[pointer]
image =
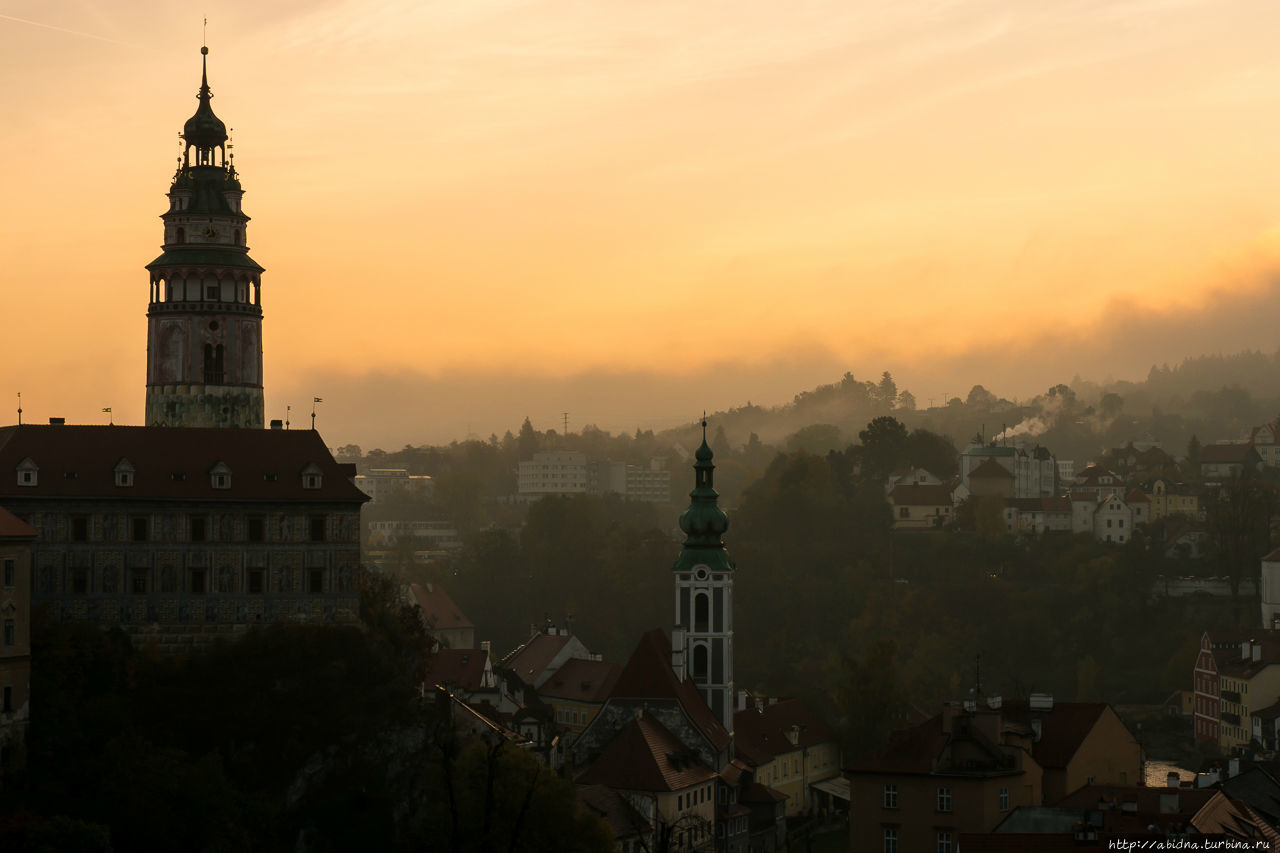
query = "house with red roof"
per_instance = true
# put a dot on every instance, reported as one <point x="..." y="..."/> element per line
<point x="167" y="532"/>
<point x="921" y="506"/>
<point x="990" y="479"/>
<point x="790" y="748"/>
<point x="577" y="691"/>
<point x="443" y="619"/>
<point x="535" y="660"/>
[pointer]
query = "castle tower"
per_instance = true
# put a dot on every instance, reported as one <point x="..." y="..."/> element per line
<point x="704" y="592"/>
<point x="204" y="321"/>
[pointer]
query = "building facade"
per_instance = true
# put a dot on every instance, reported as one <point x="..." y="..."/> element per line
<point x="15" y="644"/>
<point x="204" y="320"/>
<point x="181" y="534"/>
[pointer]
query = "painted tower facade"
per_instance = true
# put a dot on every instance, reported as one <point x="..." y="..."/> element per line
<point x="204" y="321"/>
<point x="704" y="592"/>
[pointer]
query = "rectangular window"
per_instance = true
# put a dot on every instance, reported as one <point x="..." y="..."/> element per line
<point x="8" y="700"/>
<point x="80" y="581"/>
<point x="80" y="529"/>
<point x="317" y="528"/>
<point x="255" y="526"/>
<point x="944" y="841"/>
<point x="140" y="529"/>
<point x="139" y="582"/>
<point x="890" y="839"/>
<point x="10" y="569"/>
<point x="198" y="529"/>
<point x="944" y="799"/>
<point x="10" y="633"/>
<point x="890" y="796"/>
<point x="315" y="581"/>
<point x="1004" y="799"/>
<point x="255" y="580"/>
<point x="197" y="581"/>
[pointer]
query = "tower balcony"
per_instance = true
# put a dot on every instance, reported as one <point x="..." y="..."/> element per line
<point x="204" y="307"/>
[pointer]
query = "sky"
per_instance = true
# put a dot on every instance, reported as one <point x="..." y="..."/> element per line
<point x="475" y="211"/>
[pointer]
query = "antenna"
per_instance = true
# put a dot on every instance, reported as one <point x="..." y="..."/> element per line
<point x="287" y="409"/>
<point x="314" y="400"/>
<point x="107" y="412"/>
<point x="19" y="408"/>
<point x="204" y="33"/>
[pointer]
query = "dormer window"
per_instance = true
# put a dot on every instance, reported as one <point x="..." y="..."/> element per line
<point x="311" y="476"/>
<point x="220" y="476"/>
<point x="124" y="473"/>
<point x="28" y="472"/>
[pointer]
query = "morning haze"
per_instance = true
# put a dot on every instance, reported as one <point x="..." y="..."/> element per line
<point x="665" y="426"/>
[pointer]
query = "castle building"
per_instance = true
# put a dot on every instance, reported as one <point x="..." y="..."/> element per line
<point x="704" y="592"/>
<point x="204" y="320"/>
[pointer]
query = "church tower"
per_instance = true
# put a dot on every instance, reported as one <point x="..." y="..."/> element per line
<point x="204" y="321"/>
<point x="704" y="592"/>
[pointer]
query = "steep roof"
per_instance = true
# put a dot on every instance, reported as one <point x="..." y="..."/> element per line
<point x="648" y="675"/>
<point x="456" y="667"/>
<point x="12" y="527"/>
<point x="582" y="681"/>
<point x="1062" y="729"/>
<point x="991" y="468"/>
<point x="921" y="494"/>
<point x="644" y="756"/>
<point x="438" y="609"/>
<point x="172" y="463"/>
<point x="760" y="735"/>
<point x="528" y="661"/>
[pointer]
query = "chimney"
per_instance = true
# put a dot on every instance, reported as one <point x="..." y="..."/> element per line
<point x="1245" y="652"/>
<point x="1172" y="781"/>
<point x="742" y="700"/>
<point x="994" y="702"/>
<point x="677" y="652"/>
<point x="1233" y="768"/>
<point x="1257" y="652"/>
<point x="57" y="421"/>
<point x="276" y="423"/>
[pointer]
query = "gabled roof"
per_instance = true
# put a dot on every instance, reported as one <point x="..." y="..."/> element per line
<point x="644" y="756"/>
<point x="920" y="494"/>
<point x="172" y="463"/>
<point x="760" y="735"/>
<point x="648" y="675"/>
<point x="12" y="527"/>
<point x="1136" y="496"/>
<point x="456" y="667"/>
<point x="991" y="468"/>
<point x="529" y="661"/>
<point x="582" y="681"/>
<point x="1094" y="473"/>
<point x="1062" y="729"/>
<point x="438" y="609"/>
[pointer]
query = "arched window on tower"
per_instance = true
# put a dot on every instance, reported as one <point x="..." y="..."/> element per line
<point x="700" y="661"/>
<point x="238" y="241"/>
<point x="182" y="234"/>
<point x="701" y="613"/>
<point x="212" y="364"/>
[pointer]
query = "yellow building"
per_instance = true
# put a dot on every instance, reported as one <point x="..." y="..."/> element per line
<point x="1172" y="499"/>
<point x="790" y="748"/>
<point x="1247" y="683"/>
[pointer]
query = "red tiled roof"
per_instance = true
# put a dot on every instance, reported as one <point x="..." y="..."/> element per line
<point x="582" y="681"/>
<point x="456" y="667"/>
<point x="1062" y="730"/>
<point x="991" y="468"/>
<point x="760" y="735"/>
<point x="80" y="461"/>
<point x="12" y="527"/>
<point x="1136" y="496"/>
<point x="533" y="657"/>
<point x="1225" y="454"/>
<point x="1094" y="472"/>
<point x="622" y="818"/>
<point x="438" y="608"/>
<point x="916" y="494"/>
<point x="644" y="756"/>
<point x="1148" y="800"/>
<point x="648" y="675"/>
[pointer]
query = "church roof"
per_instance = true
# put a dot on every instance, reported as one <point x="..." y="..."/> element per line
<point x="206" y="256"/>
<point x="648" y="675"/>
<point x="644" y="756"/>
<point x="172" y="463"/>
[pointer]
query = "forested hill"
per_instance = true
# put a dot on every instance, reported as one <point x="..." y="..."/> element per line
<point x="1211" y="397"/>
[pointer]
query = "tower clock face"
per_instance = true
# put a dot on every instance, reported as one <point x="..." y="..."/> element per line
<point x="210" y="232"/>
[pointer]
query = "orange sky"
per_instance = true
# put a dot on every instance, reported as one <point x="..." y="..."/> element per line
<point x="491" y="208"/>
